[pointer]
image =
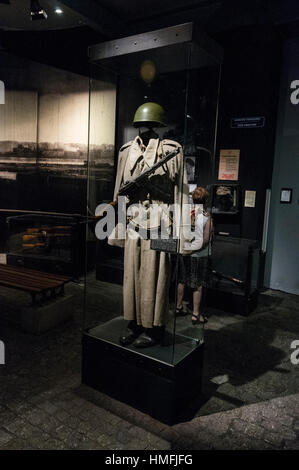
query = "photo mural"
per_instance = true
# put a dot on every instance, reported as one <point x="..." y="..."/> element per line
<point x="44" y="137"/>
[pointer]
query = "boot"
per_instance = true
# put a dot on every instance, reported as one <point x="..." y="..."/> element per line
<point x="130" y="334"/>
<point x="150" y="337"/>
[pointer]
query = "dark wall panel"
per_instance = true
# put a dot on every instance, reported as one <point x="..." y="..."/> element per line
<point x="249" y="87"/>
<point x="283" y="240"/>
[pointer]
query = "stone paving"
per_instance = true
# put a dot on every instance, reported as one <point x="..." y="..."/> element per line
<point x="44" y="406"/>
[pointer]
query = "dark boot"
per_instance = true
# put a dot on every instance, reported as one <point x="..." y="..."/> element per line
<point x="130" y="333"/>
<point x="150" y="337"/>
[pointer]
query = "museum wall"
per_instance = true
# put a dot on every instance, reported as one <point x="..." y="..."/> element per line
<point x="249" y="88"/>
<point x="283" y="238"/>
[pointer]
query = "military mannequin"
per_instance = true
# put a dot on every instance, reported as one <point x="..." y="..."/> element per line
<point x="147" y="272"/>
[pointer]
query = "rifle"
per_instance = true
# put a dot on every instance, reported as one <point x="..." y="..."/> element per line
<point x="235" y="280"/>
<point x="130" y="188"/>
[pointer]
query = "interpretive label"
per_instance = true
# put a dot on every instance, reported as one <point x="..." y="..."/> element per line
<point x="249" y="198"/>
<point x="248" y="122"/>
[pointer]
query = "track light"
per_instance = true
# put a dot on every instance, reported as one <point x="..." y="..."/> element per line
<point x="37" y="11"/>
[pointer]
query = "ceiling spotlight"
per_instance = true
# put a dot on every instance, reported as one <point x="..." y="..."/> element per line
<point x="37" y="11"/>
<point x="58" y="10"/>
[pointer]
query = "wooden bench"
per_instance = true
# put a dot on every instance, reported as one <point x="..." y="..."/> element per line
<point x="40" y="285"/>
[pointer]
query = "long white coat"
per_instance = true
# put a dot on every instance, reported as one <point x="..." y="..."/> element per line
<point x="147" y="272"/>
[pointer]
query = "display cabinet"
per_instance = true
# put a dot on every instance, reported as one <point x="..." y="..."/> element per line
<point x="51" y="243"/>
<point x="153" y="104"/>
<point x="226" y="199"/>
<point x="235" y="282"/>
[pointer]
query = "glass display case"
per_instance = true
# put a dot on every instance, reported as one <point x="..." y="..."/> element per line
<point x="152" y="127"/>
<point x="236" y="274"/>
<point x="51" y="243"/>
<point x="226" y="199"/>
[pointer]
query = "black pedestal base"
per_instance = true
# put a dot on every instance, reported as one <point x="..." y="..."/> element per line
<point x="143" y="379"/>
<point x="233" y="302"/>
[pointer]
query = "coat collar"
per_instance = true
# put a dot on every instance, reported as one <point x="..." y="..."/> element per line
<point x="139" y="151"/>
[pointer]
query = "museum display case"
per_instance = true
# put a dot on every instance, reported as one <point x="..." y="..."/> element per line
<point x="226" y="199"/>
<point x="50" y="243"/>
<point x="152" y="128"/>
<point x="236" y="279"/>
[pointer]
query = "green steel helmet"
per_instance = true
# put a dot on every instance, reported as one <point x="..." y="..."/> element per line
<point x="150" y="115"/>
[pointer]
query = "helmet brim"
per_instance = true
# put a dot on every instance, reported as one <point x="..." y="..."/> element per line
<point x="149" y="124"/>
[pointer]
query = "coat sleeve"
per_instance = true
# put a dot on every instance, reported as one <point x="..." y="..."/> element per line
<point x="119" y="175"/>
<point x="118" y="234"/>
<point x="121" y="162"/>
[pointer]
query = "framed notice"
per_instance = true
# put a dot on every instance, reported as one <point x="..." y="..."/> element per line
<point x="229" y="165"/>
<point x="286" y="195"/>
<point x="249" y="198"/>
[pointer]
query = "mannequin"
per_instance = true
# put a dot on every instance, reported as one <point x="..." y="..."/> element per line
<point x="147" y="272"/>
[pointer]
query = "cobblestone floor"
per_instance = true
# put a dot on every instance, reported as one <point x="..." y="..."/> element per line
<point x="44" y="406"/>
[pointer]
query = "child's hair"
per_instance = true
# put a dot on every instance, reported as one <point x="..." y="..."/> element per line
<point x="199" y="195"/>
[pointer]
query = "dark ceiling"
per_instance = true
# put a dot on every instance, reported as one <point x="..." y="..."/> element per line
<point x="110" y="17"/>
<point x="62" y="40"/>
